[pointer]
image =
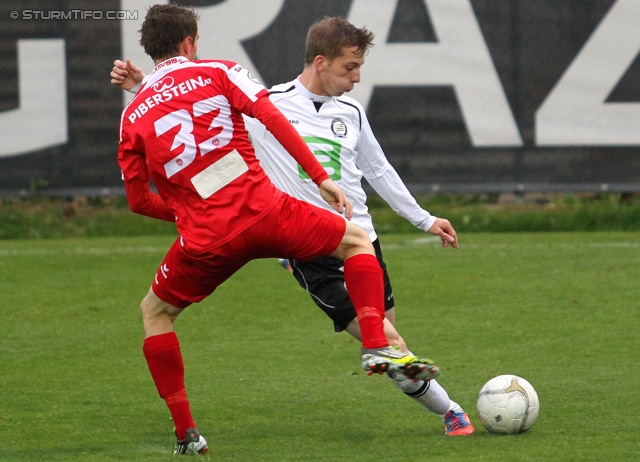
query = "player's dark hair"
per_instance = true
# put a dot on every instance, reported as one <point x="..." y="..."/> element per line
<point x="165" y="27"/>
<point x="330" y="35"/>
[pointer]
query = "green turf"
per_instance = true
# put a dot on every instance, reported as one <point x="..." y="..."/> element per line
<point x="270" y="381"/>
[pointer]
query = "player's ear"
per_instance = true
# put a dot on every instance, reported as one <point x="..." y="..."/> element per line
<point x="320" y="63"/>
<point x="189" y="47"/>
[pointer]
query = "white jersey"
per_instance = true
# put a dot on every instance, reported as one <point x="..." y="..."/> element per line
<point x="337" y="131"/>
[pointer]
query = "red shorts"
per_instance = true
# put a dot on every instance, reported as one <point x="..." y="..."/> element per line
<point x="291" y="229"/>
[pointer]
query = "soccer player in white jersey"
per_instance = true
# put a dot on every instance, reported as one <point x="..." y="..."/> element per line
<point x="184" y="131"/>
<point x="336" y="129"/>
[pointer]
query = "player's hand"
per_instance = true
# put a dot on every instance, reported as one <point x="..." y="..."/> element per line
<point x="335" y="197"/>
<point x="442" y="227"/>
<point x="126" y="75"/>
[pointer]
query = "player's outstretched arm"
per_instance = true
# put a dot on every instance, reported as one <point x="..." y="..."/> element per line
<point x="442" y="227"/>
<point x="280" y="127"/>
<point x="335" y="197"/>
<point x="126" y="75"/>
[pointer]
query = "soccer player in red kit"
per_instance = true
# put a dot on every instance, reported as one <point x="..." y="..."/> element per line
<point x="184" y="131"/>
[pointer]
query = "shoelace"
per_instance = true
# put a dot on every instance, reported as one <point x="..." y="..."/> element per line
<point x="456" y="421"/>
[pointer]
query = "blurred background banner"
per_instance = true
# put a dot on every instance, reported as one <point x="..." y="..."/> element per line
<point x="463" y="95"/>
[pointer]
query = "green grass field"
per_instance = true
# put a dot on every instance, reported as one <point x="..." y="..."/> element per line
<point x="269" y="380"/>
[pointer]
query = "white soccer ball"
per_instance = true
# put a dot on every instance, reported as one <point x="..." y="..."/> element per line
<point x="508" y="404"/>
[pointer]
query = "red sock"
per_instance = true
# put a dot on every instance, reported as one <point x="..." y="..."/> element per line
<point x="363" y="277"/>
<point x="164" y="359"/>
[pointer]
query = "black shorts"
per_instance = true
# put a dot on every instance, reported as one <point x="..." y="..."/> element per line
<point x="323" y="278"/>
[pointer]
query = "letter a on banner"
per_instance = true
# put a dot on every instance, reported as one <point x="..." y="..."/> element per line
<point x="459" y="59"/>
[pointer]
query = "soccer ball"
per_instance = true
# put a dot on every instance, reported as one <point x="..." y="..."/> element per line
<point x="508" y="404"/>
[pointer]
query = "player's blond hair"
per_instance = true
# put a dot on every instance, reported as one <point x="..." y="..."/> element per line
<point x="329" y="36"/>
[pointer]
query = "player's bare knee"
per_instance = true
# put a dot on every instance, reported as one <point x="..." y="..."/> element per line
<point x="151" y="307"/>
<point x="361" y="236"/>
<point x="147" y="309"/>
<point x="355" y="241"/>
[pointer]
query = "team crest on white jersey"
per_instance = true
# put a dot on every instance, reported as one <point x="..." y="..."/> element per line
<point x="339" y="128"/>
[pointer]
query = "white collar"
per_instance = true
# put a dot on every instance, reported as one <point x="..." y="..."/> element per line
<point x="312" y="96"/>
<point x="170" y="62"/>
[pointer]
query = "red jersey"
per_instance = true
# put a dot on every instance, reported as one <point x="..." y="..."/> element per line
<point x="184" y="131"/>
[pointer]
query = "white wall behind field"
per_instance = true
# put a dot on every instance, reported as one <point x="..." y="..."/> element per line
<point x="466" y="94"/>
